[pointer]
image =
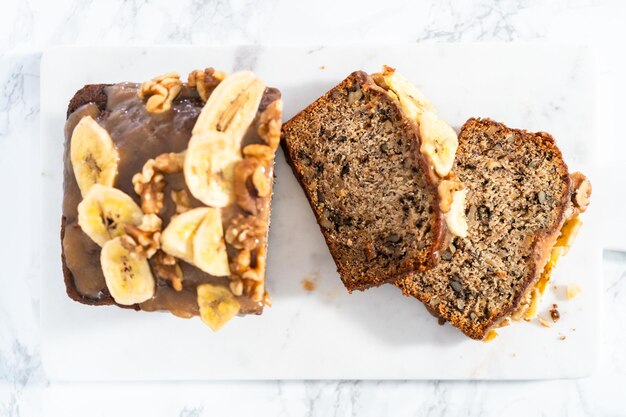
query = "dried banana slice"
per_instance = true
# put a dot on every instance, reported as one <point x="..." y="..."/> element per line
<point x="127" y="274"/>
<point x="215" y="145"/>
<point x="217" y="305"/>
<point x="93" y="155"/>
<point x="104" y="211"/>
<point x="177" y="238"/>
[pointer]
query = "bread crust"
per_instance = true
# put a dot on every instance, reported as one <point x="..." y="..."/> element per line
<point x="440" y="231"/>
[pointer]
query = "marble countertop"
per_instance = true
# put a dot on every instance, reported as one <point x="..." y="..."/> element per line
<point x="28" y="27"/>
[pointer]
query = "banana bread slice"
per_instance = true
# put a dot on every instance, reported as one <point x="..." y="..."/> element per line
<point x="520" y="199"/>
<point x="357" y="155"/>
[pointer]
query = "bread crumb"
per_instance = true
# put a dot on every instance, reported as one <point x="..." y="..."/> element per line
<point x="554" y="313"/>
<point x="544" y="322"/>
<point x="322" y="67"/>
<point x="573" y="290"/>
<point x="308" y="285"/>
<point x="490" y="336"/>
<point x="562" y="337"/>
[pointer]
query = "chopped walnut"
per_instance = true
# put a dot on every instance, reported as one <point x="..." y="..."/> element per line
<point x="262" y="152"/>
<point x="581" y="191"/>
<point x="254" y="289"/>
<point x="150" y="182"/>
<point x="245" y="232"/>
<point x="240" y="263"/>
<point x="270" y="123"/>
<point x="261" y="182"/>
<point x="160" y="92"/>
<point x="145" y="236"/>
<point x="181" y="199"/>
<point x="236" y="287"/>
<point x="257" y="273"/>
<point x="248" y="199"/>
<point x="446" y="190"/>
<point x="205" y="81"/>
<point x="168" y="269"/>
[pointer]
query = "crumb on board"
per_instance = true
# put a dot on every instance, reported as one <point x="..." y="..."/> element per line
<point x="322" y="67"/>
<point x="572" y="291"/>
<point x="490" y="336"/>
<point x="544" y="322"/>
<point x="308" y="284"/>
<point x="554" y="313"/>
<point x="562" y="337"/>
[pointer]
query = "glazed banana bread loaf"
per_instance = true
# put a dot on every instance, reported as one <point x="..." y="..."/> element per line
<point x="358" y="152"/>
<point x="522" y="212"/>
<point x="167" y="189"/>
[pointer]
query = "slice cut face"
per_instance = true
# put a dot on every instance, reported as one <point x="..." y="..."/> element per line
<point x="518" y="193"/>
<point x="357" y="156"/>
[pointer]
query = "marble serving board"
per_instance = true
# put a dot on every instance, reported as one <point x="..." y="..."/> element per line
<point x="326" y="333"/>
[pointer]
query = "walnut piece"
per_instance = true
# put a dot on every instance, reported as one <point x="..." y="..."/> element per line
<point x="168" y="269"/>
<point x="160" y="92"/>
<point x="270" y="124"/>
<point x="245" y="232"/>
<point x="446" y="190"/>
<point x="181" y="199"/>
<point x="240" y="263"/>
<point x="261" y="181"/>
<point x="150" y="182"/>
<point x="257" y="273"/>
<point x="146" y="236"/>
<point x="581" y="191"/>
<point x="205" y="81"/>
<point x="261" y="152"/>
<point x="251" y="184"/>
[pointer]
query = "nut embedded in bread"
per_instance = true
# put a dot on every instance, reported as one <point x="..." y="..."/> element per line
<point x="521" y="204"/>
<point x="149" y="227"/>
<point x="356" y="153"/>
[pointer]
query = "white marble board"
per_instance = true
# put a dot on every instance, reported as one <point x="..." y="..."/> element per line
<point x="328" y="334"/>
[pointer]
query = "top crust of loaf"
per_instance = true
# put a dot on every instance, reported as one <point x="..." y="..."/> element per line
<point x="481" y="281"/>
<point x="325" y="145"/>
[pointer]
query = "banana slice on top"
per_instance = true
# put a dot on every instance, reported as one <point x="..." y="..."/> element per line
<point x="93" y="155"/>
<point x="177" y="238"/>
<point x="412" y="100"/>
<point x="197" y="237"/>
<point x="209" y="248"/>
<point x="217" y="305"/>
<point x="215" y="144"/>
<point x="209" y="168"/>
<point x="104" y="211"/>
<point x="232" y="106"/>
<point x="439" y="142"/>
<point x="127" y="275"/>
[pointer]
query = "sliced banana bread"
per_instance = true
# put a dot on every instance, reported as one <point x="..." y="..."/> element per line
<point x="356" y="153"/>
<point x="520" y="199"/>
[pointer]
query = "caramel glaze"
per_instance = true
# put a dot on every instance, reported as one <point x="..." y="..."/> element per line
<point x="139" y="136"/>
